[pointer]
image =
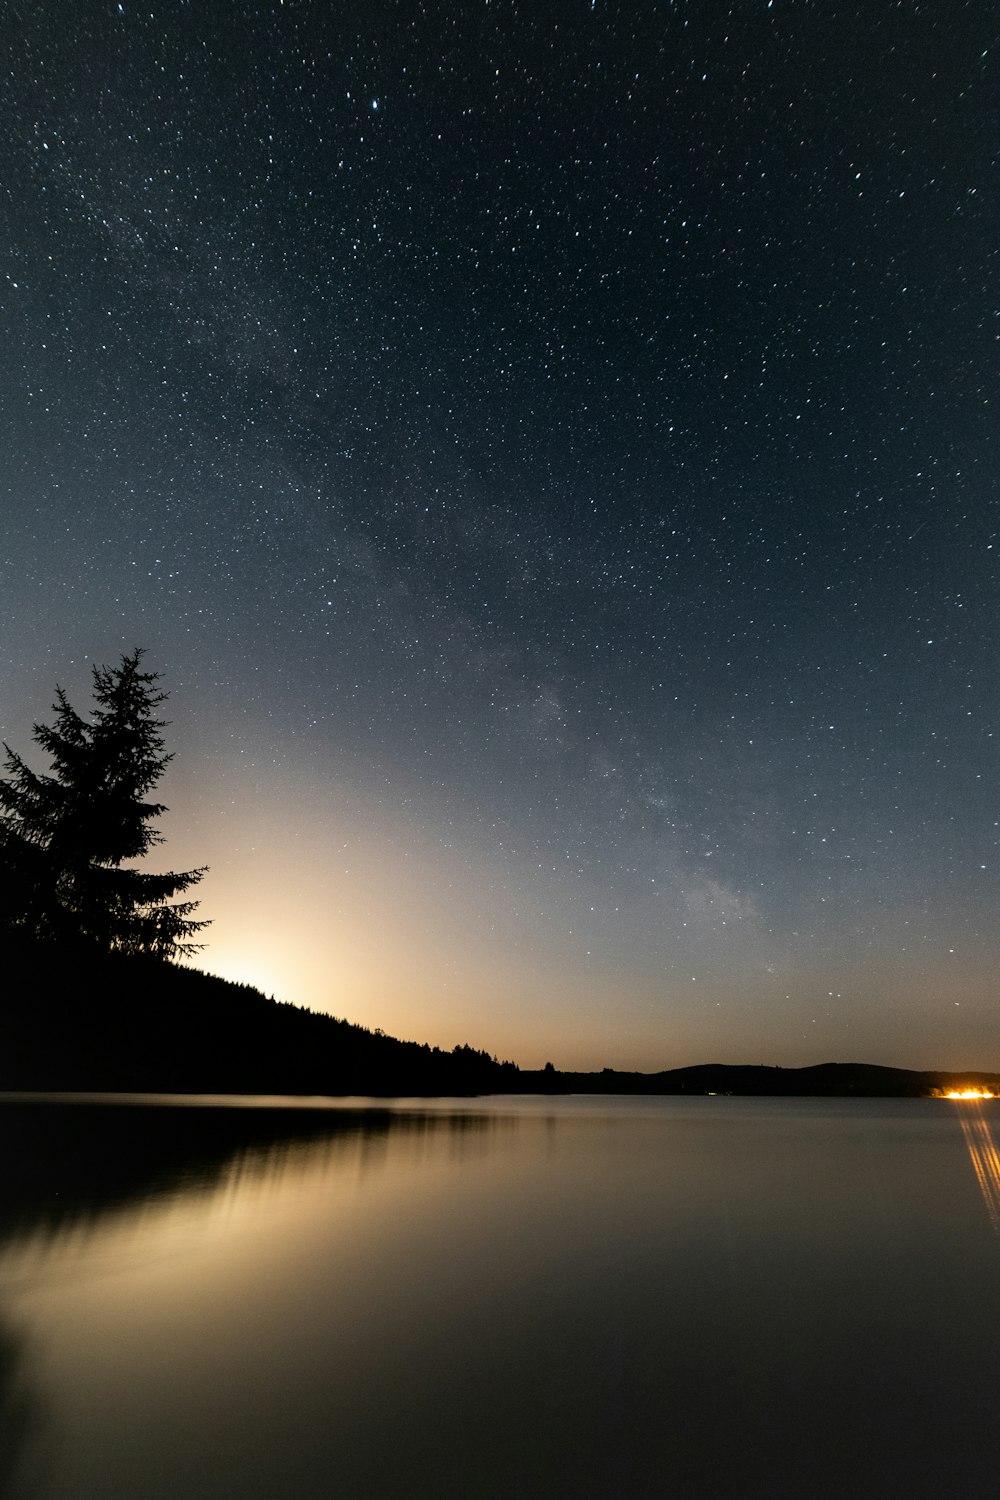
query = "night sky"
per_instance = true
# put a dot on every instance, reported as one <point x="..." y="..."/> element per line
<point x="550" y="452"/>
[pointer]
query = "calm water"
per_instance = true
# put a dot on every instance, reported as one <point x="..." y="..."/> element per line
<point x="542" y="1298"/>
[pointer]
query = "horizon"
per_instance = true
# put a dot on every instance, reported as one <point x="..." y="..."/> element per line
<point x="711" y="1062"/>
<point x="551" y="461"/>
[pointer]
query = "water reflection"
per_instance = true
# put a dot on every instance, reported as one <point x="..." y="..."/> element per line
<point x="983" y="1153"/>
<point x="20" y="1406"/>
<point x="96" y="1189"/>
<point x="604" y="1301"/>
<point x="67" y="1165"/>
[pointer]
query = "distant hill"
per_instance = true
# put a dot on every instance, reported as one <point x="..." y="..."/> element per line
<point x="824" y="1080"/>
<point x="75" y="1022"/>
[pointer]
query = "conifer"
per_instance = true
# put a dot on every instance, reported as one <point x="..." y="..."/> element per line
<point x="65" y="836"/>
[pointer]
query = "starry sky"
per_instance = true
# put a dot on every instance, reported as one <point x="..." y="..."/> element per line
<point x="549" y="451"/>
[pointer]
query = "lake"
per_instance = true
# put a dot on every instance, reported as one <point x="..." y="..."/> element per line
<point x="483" y="1299"/>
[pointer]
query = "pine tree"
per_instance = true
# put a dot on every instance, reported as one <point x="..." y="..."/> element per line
<point x="64" y="836"/>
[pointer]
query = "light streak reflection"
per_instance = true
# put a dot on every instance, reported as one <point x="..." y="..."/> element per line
<point x="983" y="1153"/>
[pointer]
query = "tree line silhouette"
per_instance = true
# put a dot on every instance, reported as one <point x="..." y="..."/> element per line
<point x="92" y="1000"/>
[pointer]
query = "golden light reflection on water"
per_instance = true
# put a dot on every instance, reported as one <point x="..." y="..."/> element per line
<point x="222" y="1208"/>
<point x="982" y="1149"/>
<point x="385" y="1307"/>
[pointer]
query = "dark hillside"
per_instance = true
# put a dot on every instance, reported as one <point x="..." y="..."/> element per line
<point x="116" y="1023"/>
<point x="94" y="1023"/>
<point x="825" y="1080"/>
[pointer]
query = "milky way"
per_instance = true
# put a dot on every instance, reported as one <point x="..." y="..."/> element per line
<point x="550" y="453"/>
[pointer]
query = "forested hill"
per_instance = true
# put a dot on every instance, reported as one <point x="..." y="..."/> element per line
<point x="824" y="1080"/>
<point x="107" y="1022"/>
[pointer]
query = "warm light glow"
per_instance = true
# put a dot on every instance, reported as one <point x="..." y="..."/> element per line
<point x="982" y="1150"/>
<point x="967" y="1094"/>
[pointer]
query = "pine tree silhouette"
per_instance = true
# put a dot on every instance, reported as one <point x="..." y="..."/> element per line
<point x="64" y="836"/>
